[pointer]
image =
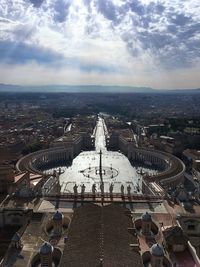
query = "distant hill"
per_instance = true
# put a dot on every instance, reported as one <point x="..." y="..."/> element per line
<point x="74" y="89"/>
<point x="186" y="91"/>
<point x="88" y="89"/>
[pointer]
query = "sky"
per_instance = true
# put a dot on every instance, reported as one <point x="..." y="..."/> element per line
<point x="153" y="43"/>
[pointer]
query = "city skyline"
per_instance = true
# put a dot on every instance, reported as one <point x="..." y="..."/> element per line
<point x="141" y="43"/>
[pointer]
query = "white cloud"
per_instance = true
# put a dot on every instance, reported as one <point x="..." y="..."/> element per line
<point x="33" y="74"/>
<point x="140" y="40"/>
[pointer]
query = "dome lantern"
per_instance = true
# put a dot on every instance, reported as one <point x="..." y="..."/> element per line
<point x="46" y="249"/>
<point x="58" y="216"/>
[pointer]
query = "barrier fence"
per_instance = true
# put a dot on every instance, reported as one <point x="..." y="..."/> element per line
<point x="107" y="196"/>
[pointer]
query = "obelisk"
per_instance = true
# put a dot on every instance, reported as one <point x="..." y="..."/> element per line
<point x="100" y="166"/>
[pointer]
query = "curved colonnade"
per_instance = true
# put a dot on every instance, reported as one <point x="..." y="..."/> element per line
<point x="41" y="160"/>
<point x="172" y="168"/>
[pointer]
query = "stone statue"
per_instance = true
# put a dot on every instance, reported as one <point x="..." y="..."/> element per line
<point x="122" y="189"/>
<point x="75" y="189"/>
<point x="82" y="189"/>
<point x="93" y="189"/>
<point x="111" y="188"/>
<point x="129" y="189"/>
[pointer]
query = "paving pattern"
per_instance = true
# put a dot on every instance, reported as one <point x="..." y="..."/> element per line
<point x="117" y="173"/>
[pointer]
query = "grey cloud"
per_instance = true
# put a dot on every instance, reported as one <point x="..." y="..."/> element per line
<point x="169" y="50"/>
<point x="179" y="19"/>
<point x="140" y="9"/>
<point x="107" y="8"/>
<point x="37" y="3"/>
<point x="4" y="20"/>
<point x="137" y="7"/>
<point x="164" y="30"/>
<point x="169" y="43"/>
<point x="21" y="53"/>
<point x="159" y="8"/>
<point x="23" y="31"/>
<point x="171" y="28"/>
<point x="61" y="9"/>
<point x="189" y="31"/>
<point x="166" y="33"/>
<point x="87" y="2"/>
<point x="154" y="40"/>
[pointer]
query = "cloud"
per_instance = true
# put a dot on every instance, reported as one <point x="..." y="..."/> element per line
<point x="137" y="7"/>
<point x="165" y="32"/>
<point x="107" y="8"/>
<point x="37" y="74"/>
<point x="122" y="37"/>
<point x="179" y="19"/>
<point x="61" y="8"/>
<point x="20" y="53"/>
<point x="37" y="3"/>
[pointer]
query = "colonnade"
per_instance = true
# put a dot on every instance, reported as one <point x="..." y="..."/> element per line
<point x="36" y="162"/>
<point x="150" y="158"/>
<point x="172" y="168"/>
<point x="51" y="158"/>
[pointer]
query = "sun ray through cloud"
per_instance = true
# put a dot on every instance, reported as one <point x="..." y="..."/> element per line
<point x="133" y="42"/>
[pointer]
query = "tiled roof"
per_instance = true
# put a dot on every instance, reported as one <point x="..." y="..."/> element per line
<point x="101" y="233"/>
<point x="175" y="235"/>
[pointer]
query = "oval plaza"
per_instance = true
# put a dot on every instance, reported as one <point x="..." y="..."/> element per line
<point x="112" y="164"/>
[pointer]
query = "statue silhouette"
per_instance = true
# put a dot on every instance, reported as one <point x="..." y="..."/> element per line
<point x="129" y="189"/>
<point x="122" y="189"/>
<point x="93" y="189"/>
<point x="75" y="189"/>
<point x="82" y="189"/>
<point x="111" y="188"/>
